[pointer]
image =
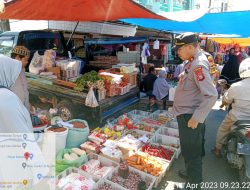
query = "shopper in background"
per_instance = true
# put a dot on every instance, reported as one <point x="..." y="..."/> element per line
<point x="230" y="71"/>
<point x="238" y="55"/>
<point x="178" y="70"/>
<point x="20" y="88"/>
<point x="226" y="57"/>
<point x="161" y="86"/>
<point x="148" y="82"/>
<point x="238" y="96"/>
<point x="194" y="98"/>
<point x="14" y="117"/>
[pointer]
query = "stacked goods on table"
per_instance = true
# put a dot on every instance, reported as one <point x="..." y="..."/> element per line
<point x="132" y="152"/>
<point x="49" y="66"/>
<point x="115" y="84"/>
<point x="104" y="61"/>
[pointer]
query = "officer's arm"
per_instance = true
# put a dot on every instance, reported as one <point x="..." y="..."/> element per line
<point x="205" y="84"/>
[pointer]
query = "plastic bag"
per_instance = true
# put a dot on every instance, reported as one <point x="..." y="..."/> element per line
<point x="62" y="164"/>
<point x="49" y="58"/>
<point x="91" y="99"/>
<point x="36" y="64"/>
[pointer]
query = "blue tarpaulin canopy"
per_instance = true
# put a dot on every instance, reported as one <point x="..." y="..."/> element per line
<point x="110" y="41"/>
<point x="212" y="23"/>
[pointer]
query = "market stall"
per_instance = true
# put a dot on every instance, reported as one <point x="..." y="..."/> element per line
<point x="134" y="151"/>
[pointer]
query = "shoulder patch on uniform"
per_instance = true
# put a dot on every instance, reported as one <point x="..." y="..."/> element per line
<point x="199" y="73"/>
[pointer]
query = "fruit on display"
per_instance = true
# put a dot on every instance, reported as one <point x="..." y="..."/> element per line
<point x="148" y="164"/>
<point x="158" y="151"/>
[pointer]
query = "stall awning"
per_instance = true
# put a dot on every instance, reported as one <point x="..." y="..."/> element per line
<point x="212" y="23"/>
<point x="76" y="10"/>
<point x="115" y="41"/>
<point x="239" y="41"/>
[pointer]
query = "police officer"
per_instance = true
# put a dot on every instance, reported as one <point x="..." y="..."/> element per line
<point x="194" y="98"/>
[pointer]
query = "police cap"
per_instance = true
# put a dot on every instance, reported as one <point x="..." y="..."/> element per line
<point x="185" y="38"/>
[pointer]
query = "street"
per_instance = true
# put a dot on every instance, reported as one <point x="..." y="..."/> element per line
<point x="215" y="170"/>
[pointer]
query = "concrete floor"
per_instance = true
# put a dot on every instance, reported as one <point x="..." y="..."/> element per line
<point x="214" y="169"/>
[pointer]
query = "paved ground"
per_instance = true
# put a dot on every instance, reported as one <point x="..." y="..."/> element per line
<point x="214" y="169"/>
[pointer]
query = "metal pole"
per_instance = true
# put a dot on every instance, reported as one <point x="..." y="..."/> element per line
<point x="71" y="35"/>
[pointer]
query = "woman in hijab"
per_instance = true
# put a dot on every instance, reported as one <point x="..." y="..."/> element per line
<point x="230" y="71"/>
<point x="161" y="87"/>
<point x="14" y="117"/>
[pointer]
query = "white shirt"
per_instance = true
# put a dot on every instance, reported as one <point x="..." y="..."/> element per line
<point x="239" y="95"/>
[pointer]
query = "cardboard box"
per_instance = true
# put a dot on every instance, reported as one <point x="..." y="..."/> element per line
<point x="55" y="70"/>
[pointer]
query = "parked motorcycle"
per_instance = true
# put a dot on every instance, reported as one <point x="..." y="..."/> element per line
<point x="236" y="149"/>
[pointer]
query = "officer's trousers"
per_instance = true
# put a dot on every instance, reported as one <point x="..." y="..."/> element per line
<point x="192" y="146"/>
<point x="224" y="130"/>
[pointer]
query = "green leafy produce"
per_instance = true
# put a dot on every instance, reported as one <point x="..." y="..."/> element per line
<point x="81" y="82"/>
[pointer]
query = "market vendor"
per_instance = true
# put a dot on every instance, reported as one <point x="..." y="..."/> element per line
<point x="148" y="82"/>
<point x="194" y="98"/>
<point x="14" y="117"/>
<point x="152" y="105"/>
<point x="20" y="88"/>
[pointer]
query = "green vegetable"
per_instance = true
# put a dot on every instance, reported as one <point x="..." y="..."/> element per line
<point x="81" y="82"/>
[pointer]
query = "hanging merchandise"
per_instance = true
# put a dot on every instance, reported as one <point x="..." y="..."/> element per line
<point x="145" y="53"/>
<point x="156" y="44"/>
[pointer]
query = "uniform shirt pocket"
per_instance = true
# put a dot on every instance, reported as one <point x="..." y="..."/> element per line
<point x="188" y="83"/>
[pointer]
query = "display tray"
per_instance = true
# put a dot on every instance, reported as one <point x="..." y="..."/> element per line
<point x="147" y="178"/>
<point x="69" y="171"/>
<point x="168" y="141"/>
<point x="103" y="161"/>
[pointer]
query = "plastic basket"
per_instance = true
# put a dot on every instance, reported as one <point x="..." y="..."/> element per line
<point x="168" y="132"/>
<point x="141" y="133"/>
<point x="166" y="166"/>
<point x="77" y="136"/>
<point x="146" y="177"/>
<point x="167" y="141"/>
<point x="172" y="124"/>
<point x="104" y="162"/>
<point x="139" y="113"/>
<point x="72" y="170"/>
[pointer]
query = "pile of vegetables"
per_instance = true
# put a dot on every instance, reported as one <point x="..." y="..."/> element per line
<point x="88" y="79"/>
